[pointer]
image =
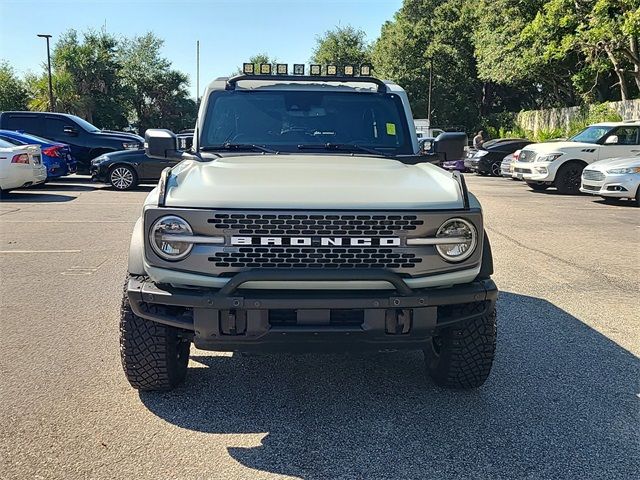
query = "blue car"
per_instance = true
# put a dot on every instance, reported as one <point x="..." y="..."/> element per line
<point x="55" y="156"/>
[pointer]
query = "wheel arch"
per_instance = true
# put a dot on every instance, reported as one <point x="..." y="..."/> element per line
<point x="136" y="250"/>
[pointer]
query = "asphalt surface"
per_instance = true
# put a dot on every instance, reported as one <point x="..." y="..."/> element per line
<point x="562" y="400"/>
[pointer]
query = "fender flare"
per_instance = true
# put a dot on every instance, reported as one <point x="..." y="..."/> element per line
<point x="136" y="250"/>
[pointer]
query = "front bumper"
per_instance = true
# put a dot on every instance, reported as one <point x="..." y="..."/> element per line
<point x="532" y="171"/>
<point x="230" y="319"/>
<point x="616" y="186"/>
<point x="98" y="174"/>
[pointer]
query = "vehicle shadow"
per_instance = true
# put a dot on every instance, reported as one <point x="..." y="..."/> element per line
<point x="560" y="403"/>
<point x="34" y="196"/>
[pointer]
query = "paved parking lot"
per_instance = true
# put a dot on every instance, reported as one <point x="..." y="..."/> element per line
<point x="562" y="400"/>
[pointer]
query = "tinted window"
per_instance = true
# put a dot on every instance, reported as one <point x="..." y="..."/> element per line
<point x="13" y="141"/>
<point x="283" y="119"/>
<point x="84" y="124"/>
<point x="627" y="135"/>
<point x="591" y="134"/>
<point x="55" y="127"/>
<point x="28" y="123"/>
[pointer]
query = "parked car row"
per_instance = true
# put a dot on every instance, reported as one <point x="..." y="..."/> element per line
<point x="20" y="166"/>
<point x="603" y="159"/>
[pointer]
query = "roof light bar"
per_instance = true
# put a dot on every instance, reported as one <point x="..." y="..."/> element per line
<point x="365" y="70"/>
<point x="265" y="69"/>
<point x="248" y="69"/>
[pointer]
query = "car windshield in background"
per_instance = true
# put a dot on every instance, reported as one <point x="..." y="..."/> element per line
<point x="5" y="144"/>
<point x="591" y="134"/>
<point x="282" y="120"/>
<point x="84" y="124"/>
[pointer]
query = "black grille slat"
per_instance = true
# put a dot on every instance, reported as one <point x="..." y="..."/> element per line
<point x="313" y="224"/>
<point x="252" y="257"/>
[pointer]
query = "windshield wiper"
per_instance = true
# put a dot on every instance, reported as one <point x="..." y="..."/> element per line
<point x="238" y="146"/>
<point x="344" y="147"/>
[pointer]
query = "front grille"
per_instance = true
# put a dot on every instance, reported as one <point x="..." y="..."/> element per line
<point x="522" y="170"/>
<point x="310" y="257"/>
<point x="307" y="224"/>
<point x="591" y="187"/>
<point x="526" y="156"/>
<point x="594" y="175"/>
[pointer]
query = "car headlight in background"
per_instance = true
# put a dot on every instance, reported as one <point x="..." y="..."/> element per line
<point x="622" y="171"/>
<point x="165" y="238"/>
<point x="481" y="153"/>
<point x="131" y="145"/>
<point x="548" y="157"/>
<point x="464" y="240"/>
<point x="98" y="160"/>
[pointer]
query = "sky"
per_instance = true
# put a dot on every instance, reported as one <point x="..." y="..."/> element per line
<point x="229" y="31"/>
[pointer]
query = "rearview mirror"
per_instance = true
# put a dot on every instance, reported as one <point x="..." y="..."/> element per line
<point x="450" y="145"/>
<point x="611" y="140"/>
<point x="161" y="144"/>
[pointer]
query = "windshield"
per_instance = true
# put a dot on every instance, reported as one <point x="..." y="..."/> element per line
<point x="283" y="120"/>
<point x="84" y="124"/>
<point x="591" y="134"/>
<point x="5" y="144"/>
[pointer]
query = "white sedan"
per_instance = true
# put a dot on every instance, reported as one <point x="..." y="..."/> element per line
<point x="613" y="178"/>
<point x="20" y="166"/>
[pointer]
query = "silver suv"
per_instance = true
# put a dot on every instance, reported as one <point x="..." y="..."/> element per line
<point x="303" y="219"/>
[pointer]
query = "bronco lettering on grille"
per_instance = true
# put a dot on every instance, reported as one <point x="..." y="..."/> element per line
<point x="318" y="241"/>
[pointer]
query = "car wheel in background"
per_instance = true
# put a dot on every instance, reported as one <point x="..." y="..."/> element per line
<point x="538" y="187"/>
<point x="568" y="178"/>
<point x="495" y="170"/>
<point x="123" y="177"/>
<point x="638" y="197"/>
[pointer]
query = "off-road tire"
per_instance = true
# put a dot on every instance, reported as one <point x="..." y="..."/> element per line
<point x="538" y="187"/>
<point x="568" y="178"/>
<point x="461" y="356"/>
<point x="154" y="356"/>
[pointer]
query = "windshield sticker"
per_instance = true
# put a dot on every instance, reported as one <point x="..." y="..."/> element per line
<point x="391" y="128"/>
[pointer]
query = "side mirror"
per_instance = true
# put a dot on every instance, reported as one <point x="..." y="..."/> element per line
<point x="611" y="140"/>
<point x="450" y="145"/>
<point x="161" y="144"/>
<point x="69" y="130"/>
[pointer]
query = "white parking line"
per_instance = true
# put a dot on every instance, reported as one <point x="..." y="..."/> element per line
<point x="40" y="251"/>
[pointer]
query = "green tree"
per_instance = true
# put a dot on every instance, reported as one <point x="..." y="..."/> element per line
<point x="13" y="93"/>
<point x="156" y="95"/>
<point x="67" y="98"/>
<point x="439" y="30"/>
<point x="93" y="66"/>
<point x="342" y="46"/>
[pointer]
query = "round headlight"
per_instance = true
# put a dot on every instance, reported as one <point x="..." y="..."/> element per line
<point x="160" y="238"/>
<point x="464" y="240"/>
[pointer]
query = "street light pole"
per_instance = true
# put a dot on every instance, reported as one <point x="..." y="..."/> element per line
<point x="52" y="105"/>
<point x="430" y="86"/>
<point x="197" y="71"/>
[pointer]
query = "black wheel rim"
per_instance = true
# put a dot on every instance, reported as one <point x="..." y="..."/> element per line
<point x="572" y="178"/>
<point x="495" y="169"/>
